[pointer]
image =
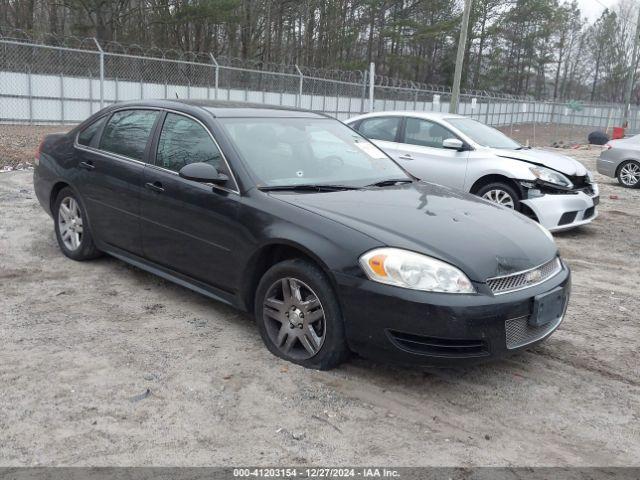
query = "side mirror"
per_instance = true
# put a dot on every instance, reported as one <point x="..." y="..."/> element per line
<point x="203" y="172"/>
<point x="453" y="144"/>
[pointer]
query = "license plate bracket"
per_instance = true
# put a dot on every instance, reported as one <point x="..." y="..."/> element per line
<point x="547" y="307"/>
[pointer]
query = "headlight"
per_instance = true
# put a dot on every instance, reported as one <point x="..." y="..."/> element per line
<point x="406" y="269"/>
<point x="551" y="176"/>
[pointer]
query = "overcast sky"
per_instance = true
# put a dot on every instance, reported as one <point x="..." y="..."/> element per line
<point x="593" y="8"/>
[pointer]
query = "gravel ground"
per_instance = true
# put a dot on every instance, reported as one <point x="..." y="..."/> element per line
<point x="103" y="364"/>
<point x="18" y="143"/>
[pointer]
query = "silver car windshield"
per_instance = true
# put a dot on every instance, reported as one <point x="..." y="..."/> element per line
<point x="303" y="151"/>
<point x="483" y="134"/>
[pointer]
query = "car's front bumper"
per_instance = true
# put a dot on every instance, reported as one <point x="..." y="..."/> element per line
<point x="607" y="163"/>
<point x="558" y="212"/>
<point x="438" y="329"/>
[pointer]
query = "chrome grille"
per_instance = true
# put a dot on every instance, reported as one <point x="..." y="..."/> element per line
<point x="528" y="278"/>
<point x="519" y="332"/>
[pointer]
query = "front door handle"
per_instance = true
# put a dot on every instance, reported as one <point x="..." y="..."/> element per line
<point x="87" y="165"/>
<point x="155" y="186"/>
<point x="405" y="156"/>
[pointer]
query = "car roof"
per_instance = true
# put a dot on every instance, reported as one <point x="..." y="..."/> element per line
<point x="226" y="109"/>
<point x="409" y="113"/>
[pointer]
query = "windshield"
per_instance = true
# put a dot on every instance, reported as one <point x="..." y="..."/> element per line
<point x="303" y="151"/>
<point x="483" y="134"/>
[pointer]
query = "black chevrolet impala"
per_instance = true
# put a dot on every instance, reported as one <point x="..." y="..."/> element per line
<point x="296" y="218"/>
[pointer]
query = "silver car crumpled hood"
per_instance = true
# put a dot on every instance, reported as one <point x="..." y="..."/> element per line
<point x="555" y="161"/>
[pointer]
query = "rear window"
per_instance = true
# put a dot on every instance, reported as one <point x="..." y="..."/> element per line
<point x="127" y="132"/>
<point x="87" y="135"/>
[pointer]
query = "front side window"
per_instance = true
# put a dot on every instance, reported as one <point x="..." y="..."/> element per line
<point x="380" y="128"/>
<point x="127" y="132"/>
<point x="87" y="135"/>
<point x="184" y="141"/>
<point x="483" y="134"/>
<point x="425" y="133"/>
<point x="297" y="151"/>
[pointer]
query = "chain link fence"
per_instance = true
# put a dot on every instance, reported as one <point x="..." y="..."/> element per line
<point x="58" y="81"/>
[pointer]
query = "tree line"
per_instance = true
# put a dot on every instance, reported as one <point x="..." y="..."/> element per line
<point x="543" y="48"/>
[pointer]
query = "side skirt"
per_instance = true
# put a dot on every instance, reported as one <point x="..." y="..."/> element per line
<point x="171" y="275"/>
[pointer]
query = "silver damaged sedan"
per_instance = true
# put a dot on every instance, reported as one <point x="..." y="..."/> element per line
<point x="459" y="152"/>
<point x="621" y="160"/>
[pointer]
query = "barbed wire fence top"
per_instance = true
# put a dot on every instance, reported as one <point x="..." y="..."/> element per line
<point x="64" y="79"/>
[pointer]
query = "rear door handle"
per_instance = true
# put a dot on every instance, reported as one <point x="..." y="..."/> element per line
<point x="87" y="165"/>
<point x="155" y="186"/>
<point x="405" y="156"/>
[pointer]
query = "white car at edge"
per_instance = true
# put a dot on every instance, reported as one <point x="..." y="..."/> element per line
<point x="459" y="152"/>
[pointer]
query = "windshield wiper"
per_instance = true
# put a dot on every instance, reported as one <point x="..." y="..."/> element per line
<point x="523" y="147"/>
<point x="390" y="182"/>
<point x="307" y="188"/>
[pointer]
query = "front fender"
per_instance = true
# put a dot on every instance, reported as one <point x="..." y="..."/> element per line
<point x="513" y="169"/>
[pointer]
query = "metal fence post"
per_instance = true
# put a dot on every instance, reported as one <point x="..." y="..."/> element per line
<point x="364" y="90"/>
<point x="299" y="102"/>
<point x="30" y="94"/>
<point x="216" y="73"/>
<point x="62" y="99"/>
<point x="372" y="82"/>
<point x="101" y="53"/>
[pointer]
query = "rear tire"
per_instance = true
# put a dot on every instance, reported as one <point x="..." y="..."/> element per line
<point x="629" y="174"/>
<point x="71" y="226"/>
<point x="299" y="317"/>
<point x="500" y="193"/>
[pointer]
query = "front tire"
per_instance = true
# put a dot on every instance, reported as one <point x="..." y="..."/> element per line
<point x="629" y="174"/>
<point x="500" y="193"/>
<point x="72" y="229"/>
<point x="299" y="317"/>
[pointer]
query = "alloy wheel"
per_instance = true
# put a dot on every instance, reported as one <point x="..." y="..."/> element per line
<point x="500" y="197"/>
<point x="294" y="318"/>
<point x="630" y="174"/>
<point x="70" y="223"/>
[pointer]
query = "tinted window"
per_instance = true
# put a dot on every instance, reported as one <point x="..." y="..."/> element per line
<point x="127" y="132"/>
<point x="425" y="133"/>
<point x="380" y="128"/>
<point x="184" y="141"/>
<point x="87" y="135"/>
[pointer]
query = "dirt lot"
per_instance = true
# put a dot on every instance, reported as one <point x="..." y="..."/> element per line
<point x="103" y="364"/>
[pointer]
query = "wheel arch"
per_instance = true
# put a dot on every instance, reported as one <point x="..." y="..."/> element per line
<point x="268" y="255"/>
<point x="55" y="190"/>
<point x="492" y="178"/>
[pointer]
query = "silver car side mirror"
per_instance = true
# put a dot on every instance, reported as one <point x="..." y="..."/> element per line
<point x="453" y="144"/>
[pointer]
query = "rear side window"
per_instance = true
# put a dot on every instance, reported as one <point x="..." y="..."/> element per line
<point x="127" y="132"/>
<point x="380" y="128"/>
<point x="184" y="141"/>
<point x="87" y="135"/>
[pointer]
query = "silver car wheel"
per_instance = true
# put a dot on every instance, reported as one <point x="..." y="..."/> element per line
<point x="500" y="197"/>
<point x="630" y="174"/>
<point x="70" y="223"/>
<point x="294" y="318"/>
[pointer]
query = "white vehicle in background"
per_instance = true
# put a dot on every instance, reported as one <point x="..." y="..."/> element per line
<point x="459" y="152"/>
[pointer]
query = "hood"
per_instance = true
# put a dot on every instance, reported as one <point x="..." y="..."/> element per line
<point x="482" y="239"/>
<point x="555" y="161"/>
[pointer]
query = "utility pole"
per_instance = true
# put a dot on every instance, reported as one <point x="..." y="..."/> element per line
<point x="462" y="43"/>
<point x="632" y="74"/>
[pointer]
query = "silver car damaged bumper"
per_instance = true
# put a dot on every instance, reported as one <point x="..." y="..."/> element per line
<point x="558" y="212"/>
